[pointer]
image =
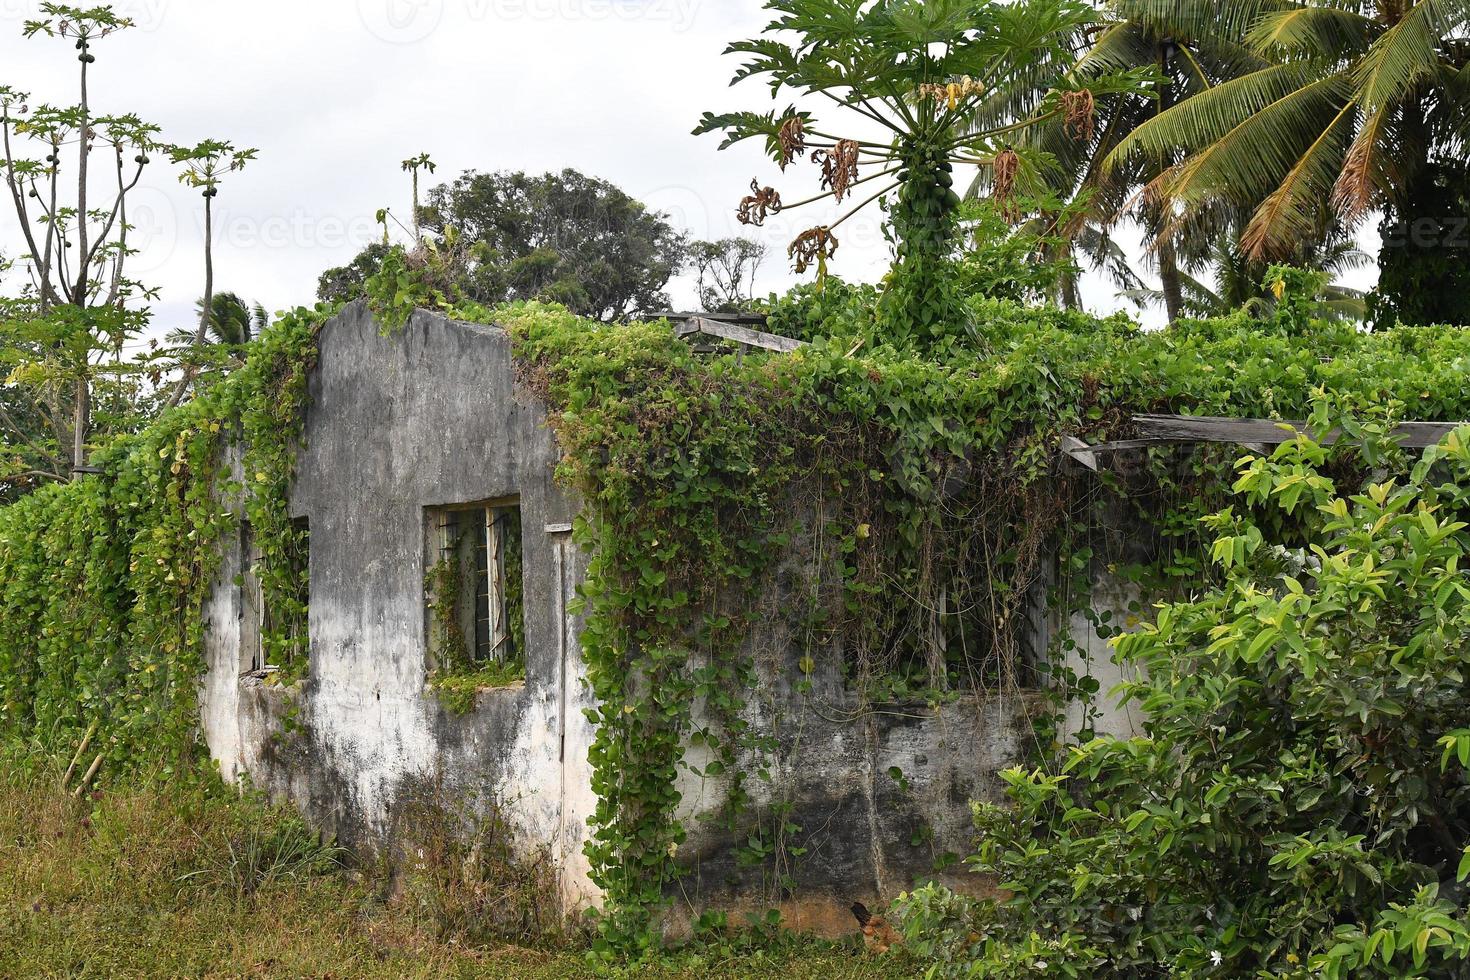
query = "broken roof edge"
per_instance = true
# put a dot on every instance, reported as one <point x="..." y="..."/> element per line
<point x="1251" y="433"/>
<point x="741" y="328"/>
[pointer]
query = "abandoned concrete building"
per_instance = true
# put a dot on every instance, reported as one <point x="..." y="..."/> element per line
<point x="421" y="450"/>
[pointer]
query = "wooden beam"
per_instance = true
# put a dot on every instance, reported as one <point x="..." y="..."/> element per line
<point x="1080" y="451"/>
<point x="1257" y="435"/>
<point x="1266" y="432"/>
<point x="744" y="319"/>
<point x="741" y="335"/>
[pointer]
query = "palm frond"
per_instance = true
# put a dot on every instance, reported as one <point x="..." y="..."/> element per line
<point x="1104" y="254"/>
<point x="1204" y="119"/>
<point x="1120" y="46"/>
<point x="1225" y="58"/>
<point x="1407" y="53"/>
<point x="1248" y="162"/>
<point x="1367" y="170"/>
<point x="1187" y="20"/>
<point x="1326" y="32"/>
<point x="1293" y="211"/>
<point x="1199" y="299"/>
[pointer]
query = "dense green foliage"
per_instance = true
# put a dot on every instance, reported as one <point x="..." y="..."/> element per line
<point x="103" y="581"/>
<point x="562" y="237"/>
<point x="1298" y="806"/>
<point x="933" y="473"/>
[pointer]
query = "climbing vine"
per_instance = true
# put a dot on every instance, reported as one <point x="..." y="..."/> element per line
<point x="928" y="490"/>
<point x="103" y="582"/>
<point x="936" y="484"/>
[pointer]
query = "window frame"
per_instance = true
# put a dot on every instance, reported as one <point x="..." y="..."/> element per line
<point x="484" y="623"/>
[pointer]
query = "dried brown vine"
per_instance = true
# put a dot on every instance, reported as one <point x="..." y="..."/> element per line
<point x="793" y="140"/>
<point x="1080" y="111"/>
<point x="815" y="245"/>
<point x="1007" y="165"/>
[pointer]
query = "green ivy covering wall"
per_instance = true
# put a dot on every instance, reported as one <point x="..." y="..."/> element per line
<point x="917" y="473"/>
<point x="103" y="581"/>
<point x="933" y="471"/>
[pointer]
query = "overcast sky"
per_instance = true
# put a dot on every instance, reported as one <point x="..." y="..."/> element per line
<point x="336" y="93"/>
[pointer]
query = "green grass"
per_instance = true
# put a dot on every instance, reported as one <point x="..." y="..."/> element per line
<point x="159" y="880"/>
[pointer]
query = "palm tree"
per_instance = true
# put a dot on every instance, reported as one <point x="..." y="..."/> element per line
<point x="1352" y="104"/>
<point x="1225" y="280"/>
<point x="232" y="322"/>
<point x="1191" y="46"/>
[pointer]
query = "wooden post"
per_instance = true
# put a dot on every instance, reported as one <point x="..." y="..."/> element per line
<point x="71" y="769"/>
<point x="82" y="786"/>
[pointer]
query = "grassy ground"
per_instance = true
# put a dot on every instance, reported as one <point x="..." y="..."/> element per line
<point x="153" y="881"/>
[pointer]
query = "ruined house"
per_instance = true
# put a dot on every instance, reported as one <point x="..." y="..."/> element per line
<point x="420" y="451"/>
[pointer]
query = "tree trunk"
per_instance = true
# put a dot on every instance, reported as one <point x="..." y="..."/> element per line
<point x="1071" y="286"/>
<point x="82" y="407"/>
<point x="84" y="147"/>
<point x="208" y="311"/>
<point x="81" y="416"/>
<point x="1170" y="281"/>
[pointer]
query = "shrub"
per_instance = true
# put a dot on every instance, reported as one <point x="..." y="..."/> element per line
<point x="1299" y="802"/>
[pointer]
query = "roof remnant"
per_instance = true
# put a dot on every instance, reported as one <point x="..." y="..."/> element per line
<point x="1255" y="434"/>
<point x="740" y="334"/>
<point x="741" y="328"/>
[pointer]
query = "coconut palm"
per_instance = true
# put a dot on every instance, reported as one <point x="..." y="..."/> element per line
<point x="1225" y="280"/>
<point x="1353" y="102"/>
<point x="232" y="322"/>
<point x="1191" y="46"/>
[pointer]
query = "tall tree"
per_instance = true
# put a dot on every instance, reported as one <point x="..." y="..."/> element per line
<point x="725" y="273"/>
<point x="73" y="318"/>
<point x="565" y="237"/>
<point x="1353" y="104"/>
<point x="1423" y="272"/>
<point x="203" y="168"/>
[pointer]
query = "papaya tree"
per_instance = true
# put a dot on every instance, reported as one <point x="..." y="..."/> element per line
<point x="68" y="328"/>
<point x="905" y="79"/>
<point x="203" y="167"/>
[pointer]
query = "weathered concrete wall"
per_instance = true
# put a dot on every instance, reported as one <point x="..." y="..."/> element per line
<point x="430" y="417"/>
<point x="396" y="426"/>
